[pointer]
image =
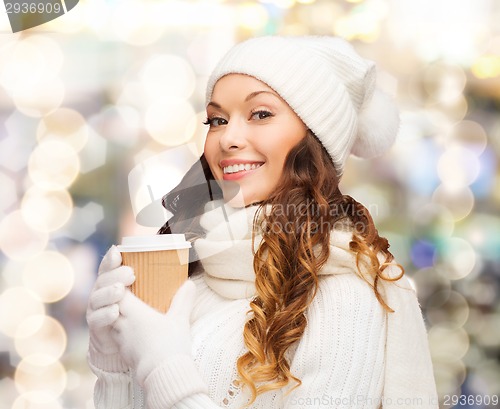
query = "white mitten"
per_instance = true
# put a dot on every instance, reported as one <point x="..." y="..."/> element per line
<point x="103" y="310"/>
<point x="147" y="337"/>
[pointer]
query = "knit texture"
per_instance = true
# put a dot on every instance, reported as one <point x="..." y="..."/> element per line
<point x="352" y="353"/>
<point x="328" y="85"/>
<point x="172" y="381"/>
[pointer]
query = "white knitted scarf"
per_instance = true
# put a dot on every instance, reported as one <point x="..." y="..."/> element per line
<point x="226" y="252"/>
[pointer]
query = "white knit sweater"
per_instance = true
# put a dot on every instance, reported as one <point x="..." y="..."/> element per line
<point x="352" y="354"/>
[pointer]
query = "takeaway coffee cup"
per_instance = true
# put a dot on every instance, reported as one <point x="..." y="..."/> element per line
<point x="160" y="265"/>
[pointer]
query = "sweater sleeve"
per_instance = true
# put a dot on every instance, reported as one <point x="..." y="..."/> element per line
<point x="173" y="381"/>
<point x="113" y="390"/>
<point x="340" y="358"/>
<point x="409" y="378"/>
<point x="197" y="401"/>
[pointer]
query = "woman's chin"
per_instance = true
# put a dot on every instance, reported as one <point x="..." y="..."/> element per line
<point x="239" y="200"/>
<point x="236" y="201"/>
<point x="237" y="196"/>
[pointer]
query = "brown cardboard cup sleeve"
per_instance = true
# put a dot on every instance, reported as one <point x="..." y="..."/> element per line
<point x="160" y="265"/>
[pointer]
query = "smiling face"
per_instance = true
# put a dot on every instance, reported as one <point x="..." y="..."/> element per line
<point x="252" y="129"/>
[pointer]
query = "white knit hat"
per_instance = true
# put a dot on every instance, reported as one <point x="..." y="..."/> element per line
<point x="328" y="85"/>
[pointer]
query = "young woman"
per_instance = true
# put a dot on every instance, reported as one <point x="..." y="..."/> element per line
<point x="294" y="300"/>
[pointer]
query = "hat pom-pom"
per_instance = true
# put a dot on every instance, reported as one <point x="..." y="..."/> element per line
<point x="378" y="125"/>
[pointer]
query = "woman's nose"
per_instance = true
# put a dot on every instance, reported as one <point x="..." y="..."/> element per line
<point x="233" y="137"/>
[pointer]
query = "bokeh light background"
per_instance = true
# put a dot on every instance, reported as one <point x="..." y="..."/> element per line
<point x="87" y="97"/>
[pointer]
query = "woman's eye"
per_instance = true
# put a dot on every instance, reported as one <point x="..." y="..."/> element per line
<point x="261" y="114"/>
<point x="215" y="121"/>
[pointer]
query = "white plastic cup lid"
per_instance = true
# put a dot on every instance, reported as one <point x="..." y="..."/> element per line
<point x="153" y="243"/>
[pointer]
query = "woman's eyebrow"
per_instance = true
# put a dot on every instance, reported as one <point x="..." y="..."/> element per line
<point x="248" y="98"/>
<point x="254" y="94"/>
<point x="214" y="104"/>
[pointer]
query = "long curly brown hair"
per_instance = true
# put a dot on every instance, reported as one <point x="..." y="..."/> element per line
<point x="295" y="225"/>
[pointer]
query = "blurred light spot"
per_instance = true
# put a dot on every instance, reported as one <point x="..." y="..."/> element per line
<point x="200" y="133"/>
<point x="118" y="123"/>
<point x="448" y="344"/>
<point x="468" y="134"/>
<point x="170" y="122"/>
<point x="362" y="23"/>
<point x="8" y="390"/>
<point x="39" y="99"/>
<point x="25" y="65"/>
<point x="489" y="335"/>
<point x="10" y="273"/>
<point x="50" y="275"/>
<point x="41" y="334"/>
<point x="93" y="155"/>
<point x="484" y="184"/>
<point x="486" y="378"/>
<point x="18" y="240"/>
<point x="46" y="211"/>
<point x="447" y="307"/>
<point x="459" y="202"/>
<point x="95" y="16"/>
<point x="7" y="191"/>
<point x="285" y="4"/>
<point x="422" y="253"/>
<point x="455" y="110"/>
<point x="168" y="75"/>
<point x="37" y="400"/>
<point x="373" y="198"/>
<point x="474" y="355"/>
<point x="474" y="323"/>
<point x="400" y="245"/>
<point x="487" y="66"/>
<point x="251" y="16"/>
<point x="422" y="179"/>
<point x="66" y="124"/>
<point x="73" y="380"/>
<point x="84" y="220"/>
<point x="19" y="142"/>
<point x="17" y="304"/>
<point x="133" y="94"/>
<point x="204" y="52"/>
<point x="444" y="83"/>
<point x="433" y="220"/>
<point x="481" y="230"/>
<point x="457" y="258"/>
<point x="134" y="22"/>
<point x="449" y="376"/>
<point x="30" y="375"/>
<point x="458" y="167"/>
<point x="51" y="51"/>
<point x="322" y="14"/>
<point x="482" y="293"/>
<point x="53" y="165"/>
<point x="496" y="190"/>
<point x="428" y="282"/>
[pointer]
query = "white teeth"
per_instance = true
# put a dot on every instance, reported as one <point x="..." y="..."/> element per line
<point x="240" y="167"/>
